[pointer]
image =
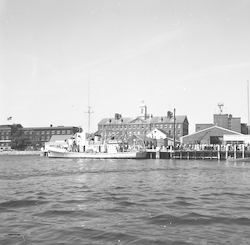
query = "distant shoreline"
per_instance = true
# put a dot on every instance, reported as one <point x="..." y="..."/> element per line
<point x="20" y="153"/>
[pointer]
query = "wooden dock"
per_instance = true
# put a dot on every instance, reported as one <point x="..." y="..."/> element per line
<point x="197" y="154"/>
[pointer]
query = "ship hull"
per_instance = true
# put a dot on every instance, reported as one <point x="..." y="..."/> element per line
<point x="53" y="153"/>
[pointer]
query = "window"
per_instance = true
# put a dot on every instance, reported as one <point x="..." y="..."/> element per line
<point x="53" y="132"/>
<point x="63" y="131"/>
<point x="42" y="132"/>
<point x="58" y="132"/>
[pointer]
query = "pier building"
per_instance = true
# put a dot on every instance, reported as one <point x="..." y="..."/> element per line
<point x="211" y="135"/>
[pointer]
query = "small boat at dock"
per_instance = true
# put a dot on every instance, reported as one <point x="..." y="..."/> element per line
<point x="63" y="153"/>
<point x="80" y="147"/>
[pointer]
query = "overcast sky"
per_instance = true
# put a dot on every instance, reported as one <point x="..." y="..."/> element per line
<point x="183" y="54"/>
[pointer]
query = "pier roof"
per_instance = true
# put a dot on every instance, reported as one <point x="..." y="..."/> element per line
<point x="205" y="135"/>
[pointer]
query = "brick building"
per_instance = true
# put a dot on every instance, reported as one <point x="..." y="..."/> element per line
<point x="143" y="124"/>
<point x="43" y="134"/>
<point x="5" y="137"/>
<point x="37" y="135"/>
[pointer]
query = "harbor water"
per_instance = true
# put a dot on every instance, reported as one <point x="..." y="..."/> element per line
<point x="153" y="201"/>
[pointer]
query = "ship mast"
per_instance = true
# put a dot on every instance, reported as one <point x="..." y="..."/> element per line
<point x="89" y="111"/>
<point x="174" y="129"/>
<point x="248" y="103"/>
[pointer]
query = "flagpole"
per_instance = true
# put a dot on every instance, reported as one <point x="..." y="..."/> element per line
<point x="9" y="119"/>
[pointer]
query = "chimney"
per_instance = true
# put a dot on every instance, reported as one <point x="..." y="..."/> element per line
<point x="118" y="116"/>
<point x="169" y="114"/>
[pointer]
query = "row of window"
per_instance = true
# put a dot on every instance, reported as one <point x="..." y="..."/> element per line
<point x="45" y="138"/>
<point x="5" y="132"/>
<point x="140" y="126"/>
<point x="4" y="137"/>
<point x="8" y="138"/>
<point x="178" y="132"/>
<point x="41" y="138"/>
<point x="49" y="132"/>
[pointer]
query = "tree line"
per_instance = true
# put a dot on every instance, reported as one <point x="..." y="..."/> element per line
<point x="20" y="141"/>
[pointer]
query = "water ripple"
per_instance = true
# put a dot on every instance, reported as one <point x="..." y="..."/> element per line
<point x="51" y="201"/>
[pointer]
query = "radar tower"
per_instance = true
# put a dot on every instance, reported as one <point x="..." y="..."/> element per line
<point x="220" y="105"/>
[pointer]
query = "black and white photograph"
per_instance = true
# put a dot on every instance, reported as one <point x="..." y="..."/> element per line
<point x="124" y="122"/>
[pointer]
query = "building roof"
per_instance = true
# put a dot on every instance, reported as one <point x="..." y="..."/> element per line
<point x="56" y="138"/>
<point x="144" y="137"/>
<point x="160" y="119"/>
<point x="51" y="128"/>
<point x="141" y="137"/>
<point x="161" y="130"/>
<point x="128" y="120"/>
<point x="38" y="128"/>
<point x="123" y="120"/>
